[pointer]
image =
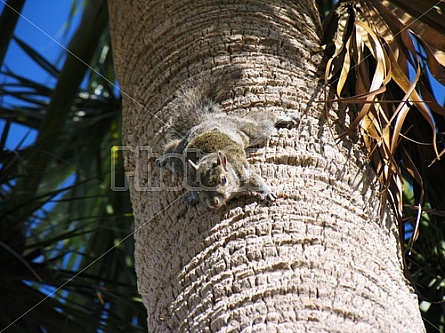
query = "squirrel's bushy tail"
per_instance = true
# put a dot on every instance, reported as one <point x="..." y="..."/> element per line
<point x="200" y="98"/>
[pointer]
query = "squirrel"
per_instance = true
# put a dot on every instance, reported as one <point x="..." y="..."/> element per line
<point x="212" y="143"/>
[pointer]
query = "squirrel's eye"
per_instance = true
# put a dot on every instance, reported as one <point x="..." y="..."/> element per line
<point x="223" y="180"/>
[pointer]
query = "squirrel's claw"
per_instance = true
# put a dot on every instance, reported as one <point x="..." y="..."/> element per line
<point x="271" y="197"/>
<point x="267" y="196"/>
<point x="287" y="121"/>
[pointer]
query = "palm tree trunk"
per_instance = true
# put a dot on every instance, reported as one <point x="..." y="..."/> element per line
<point x="318" y="259"/>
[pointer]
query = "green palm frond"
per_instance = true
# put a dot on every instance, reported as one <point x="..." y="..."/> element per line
<point x="8" y="21"/>
<point x="66" y="258"/>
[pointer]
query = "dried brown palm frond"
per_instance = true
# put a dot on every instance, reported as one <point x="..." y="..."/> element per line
<point x="379" y="57"/>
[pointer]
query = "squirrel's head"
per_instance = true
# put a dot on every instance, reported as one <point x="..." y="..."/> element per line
<point x="216" y="179"/>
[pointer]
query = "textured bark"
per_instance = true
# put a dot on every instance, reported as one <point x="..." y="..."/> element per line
<point x="317" y="260"/>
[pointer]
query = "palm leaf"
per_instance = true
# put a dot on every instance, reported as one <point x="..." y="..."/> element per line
<point x="8" y="21"/>
<point x="372" y="59"/>
<point x="381" y="54"/>
<point x="46" y="65"/>
<point x="59" y="218"/>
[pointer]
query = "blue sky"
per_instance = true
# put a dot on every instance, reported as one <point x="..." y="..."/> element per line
<point x="43" y="26"/>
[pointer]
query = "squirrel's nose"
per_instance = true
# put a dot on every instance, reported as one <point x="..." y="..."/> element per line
<point x="214" y="203"/>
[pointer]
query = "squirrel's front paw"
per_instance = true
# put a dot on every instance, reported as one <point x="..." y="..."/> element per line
<point x="271" y="196"/>
<point x="268" y="195"/>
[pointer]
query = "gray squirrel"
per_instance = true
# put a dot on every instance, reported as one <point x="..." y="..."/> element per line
<point x="208" y="145"/>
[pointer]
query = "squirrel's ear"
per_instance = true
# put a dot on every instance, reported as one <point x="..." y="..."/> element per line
<point x="192" y="166"/>
<point x="221" y="159"/>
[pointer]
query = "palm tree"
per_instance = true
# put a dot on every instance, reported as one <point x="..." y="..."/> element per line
<point x="326" y="256"/>
<point x="65" y="252"/>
